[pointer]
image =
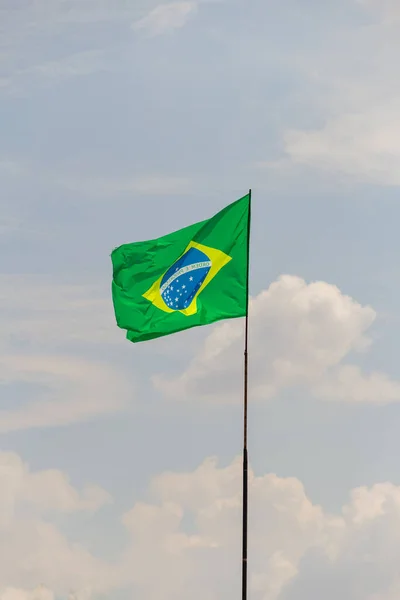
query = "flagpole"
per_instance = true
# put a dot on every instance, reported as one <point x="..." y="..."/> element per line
<point x="245" y="397"/>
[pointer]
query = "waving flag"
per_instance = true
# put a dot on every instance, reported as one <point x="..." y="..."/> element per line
<point x="192" y="277"/>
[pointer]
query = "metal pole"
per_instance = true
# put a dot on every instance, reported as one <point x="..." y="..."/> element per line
<point x="245" y="451"/>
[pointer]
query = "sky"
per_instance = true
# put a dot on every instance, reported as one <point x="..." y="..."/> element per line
<point x="120" y="463"/>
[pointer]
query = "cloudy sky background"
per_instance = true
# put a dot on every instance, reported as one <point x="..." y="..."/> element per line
<point x="120" y="464"/>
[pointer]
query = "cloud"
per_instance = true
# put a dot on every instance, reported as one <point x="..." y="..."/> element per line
<point x="27" y="64"/>
<point x="48" y="332"/>
<point x="361" y="564"/>
<point x="300" y="335"/>
<point x="32" y="549"/>
<point x="355" y="100"/>
<point x="39" y="593"/>
<point x="38" y="312"/>
<point x="204" y="560"/>
<point x="70" y="390"/>
<point x="348" y="382"/>
<point x="191" y="535"/>
<point x="188" y="531"/>
<point x="43" y="491"/>
<point x="166" y="17"/>
<point x="361" y="145"/>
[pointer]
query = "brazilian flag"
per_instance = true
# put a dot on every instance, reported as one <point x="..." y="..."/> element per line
<point x="192" y="277"/>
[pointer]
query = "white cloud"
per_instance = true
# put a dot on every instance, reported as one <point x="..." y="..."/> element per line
<point x="362" y="145"/>
<point x="206" y="560"/>
<point x="45" y="491"/>
<point x="43" y="324"/>
<point x="191" y="537"/>
<point x="189" y="533"/>
<point x="26" y="64"/>
<point x="32" y="549"/>
<point x="353" y="91"/>
<point x="392" y="594"/>
<point x="39" y="593"/>
<point x="300" y="334"/>
<point x="70" y="390"/>
<point x="38" y="312"/>
<point x="166" y="17"/>
<point x="349" y="382"/>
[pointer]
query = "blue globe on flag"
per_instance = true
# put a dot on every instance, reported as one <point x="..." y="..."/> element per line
<point x="183" y="280"/>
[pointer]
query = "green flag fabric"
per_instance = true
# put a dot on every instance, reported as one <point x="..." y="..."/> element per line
<point x="192" y="277"/>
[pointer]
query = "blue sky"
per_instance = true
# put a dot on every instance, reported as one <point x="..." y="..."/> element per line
<point x="126" y="120"/>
